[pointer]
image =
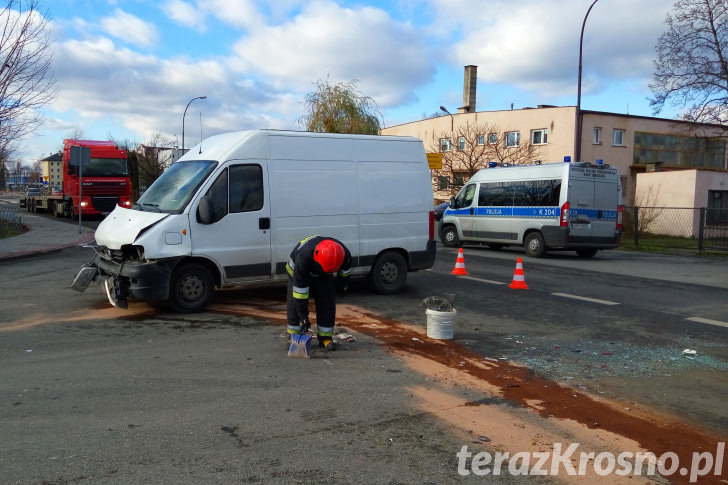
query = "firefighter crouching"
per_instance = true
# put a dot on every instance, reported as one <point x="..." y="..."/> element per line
<point x="319" y="267"/>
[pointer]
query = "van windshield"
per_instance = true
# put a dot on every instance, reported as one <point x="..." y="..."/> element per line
<point x="172" y="191"/>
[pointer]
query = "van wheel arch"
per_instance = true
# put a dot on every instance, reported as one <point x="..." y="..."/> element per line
<point x="388" y="274"/>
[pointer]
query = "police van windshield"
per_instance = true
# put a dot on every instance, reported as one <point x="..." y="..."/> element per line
<point x="172" y="191"/>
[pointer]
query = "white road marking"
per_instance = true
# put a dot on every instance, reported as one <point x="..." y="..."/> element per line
<point x="584" y="298"/>
<point x="483" y="280"/>
<point x="708" y="321"/>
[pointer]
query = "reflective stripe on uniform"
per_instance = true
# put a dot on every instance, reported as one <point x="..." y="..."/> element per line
<point x="325" y="331"/>
<point x="345" y="272"/>
<point x="295" y="329"/>
<point x="300" y="293"/>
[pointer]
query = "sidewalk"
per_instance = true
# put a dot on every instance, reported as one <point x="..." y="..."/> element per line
<point x="45" y="235"/>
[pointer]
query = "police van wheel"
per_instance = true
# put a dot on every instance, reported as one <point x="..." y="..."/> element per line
<point x="191" y="288"/>
<point x="534" y="245"/>
<point x="389" y="273"/>
<point x="449" y="236"/>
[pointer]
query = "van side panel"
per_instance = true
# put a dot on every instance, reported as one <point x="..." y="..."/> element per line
<point x="372" y="193"/>
<point x="313" y="191"/>
<point x="394" y="207"/>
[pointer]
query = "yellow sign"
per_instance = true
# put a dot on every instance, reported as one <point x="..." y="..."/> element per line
<point x="434" y="160"/>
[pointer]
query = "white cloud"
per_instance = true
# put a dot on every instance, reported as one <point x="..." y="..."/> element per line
<point x="534" y="45"/>
<point x="388" y="58"/>
<point x="130" y="29"/>
<point x="185" y="13"/>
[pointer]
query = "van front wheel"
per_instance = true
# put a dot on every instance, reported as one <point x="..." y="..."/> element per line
<point x="534" y="245"/>
<point x="191" y="288"/>
<point x="389" y="273"/>
<point x="449" y="236"/>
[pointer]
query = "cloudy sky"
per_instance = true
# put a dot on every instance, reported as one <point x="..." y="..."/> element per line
<point x="127" y="68"/>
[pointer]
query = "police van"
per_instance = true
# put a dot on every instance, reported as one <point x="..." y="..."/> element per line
<point x="555" y="206"/>
<point x="229" y="212"/>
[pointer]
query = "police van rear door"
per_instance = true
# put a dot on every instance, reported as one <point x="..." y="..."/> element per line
<point x="594" y="195"/>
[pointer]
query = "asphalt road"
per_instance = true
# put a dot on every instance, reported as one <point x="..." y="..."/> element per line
<point x="94" y="394"/>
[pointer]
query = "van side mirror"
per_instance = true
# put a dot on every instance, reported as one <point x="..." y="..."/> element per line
<point x="204" y="211"/>
<point x="452" y="202"/>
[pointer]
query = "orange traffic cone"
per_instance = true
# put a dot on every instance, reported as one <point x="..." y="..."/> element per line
<point x="519" y="280"/>
<point x="460" y="264"/>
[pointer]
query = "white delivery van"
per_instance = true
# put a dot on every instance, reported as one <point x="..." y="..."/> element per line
<point x="555" y="206"/>
<point x="229" y="212"/>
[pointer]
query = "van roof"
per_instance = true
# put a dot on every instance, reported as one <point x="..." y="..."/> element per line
<point x="226" y="145"/>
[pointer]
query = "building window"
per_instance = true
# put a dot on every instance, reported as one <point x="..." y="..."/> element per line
<point x="443" y="182"/>
<point x="513" y="138"/>
<point x="459" y="178"/>
<point x="539" y="137"/>
<point x="597" y="135"/>
<point x="678" y="151"/>
<point x="461" y="143"/>
<point x="481" y="139"/>
<point x="445" y="145"/>
<point x="618" y="138"/>
<point x="492" y="139"/>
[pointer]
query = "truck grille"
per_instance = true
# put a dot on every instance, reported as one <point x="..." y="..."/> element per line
<point x="104" y="204"/>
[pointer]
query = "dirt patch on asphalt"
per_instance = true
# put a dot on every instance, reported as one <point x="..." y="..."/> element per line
<point x="520" y="410"/>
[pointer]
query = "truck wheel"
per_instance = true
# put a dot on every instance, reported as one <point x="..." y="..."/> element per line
<point x="389" y="273"/>
<point x="586" y="252"/>
<point x="534" y="245"/>
<point x="191" y="288"/>
<point x="449" y="236"/>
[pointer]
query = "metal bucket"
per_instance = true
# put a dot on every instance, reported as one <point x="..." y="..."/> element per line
<point x="440" y="325"/>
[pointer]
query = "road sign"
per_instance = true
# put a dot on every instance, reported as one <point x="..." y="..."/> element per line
<point x="434" y="160"/>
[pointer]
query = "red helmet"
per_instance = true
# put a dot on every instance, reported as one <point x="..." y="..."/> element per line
<point x="330" y="255"/>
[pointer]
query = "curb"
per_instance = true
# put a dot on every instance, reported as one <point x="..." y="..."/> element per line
<point x="86" y="238"/>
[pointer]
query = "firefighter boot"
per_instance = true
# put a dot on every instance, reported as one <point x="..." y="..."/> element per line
<point x="327" y="343"/>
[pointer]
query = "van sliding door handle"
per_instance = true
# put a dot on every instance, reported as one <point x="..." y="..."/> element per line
<point x="264" y="223"/>
<point x="472" y="211"/>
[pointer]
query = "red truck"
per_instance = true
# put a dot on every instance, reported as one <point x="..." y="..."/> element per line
<point x="93" y="187"/>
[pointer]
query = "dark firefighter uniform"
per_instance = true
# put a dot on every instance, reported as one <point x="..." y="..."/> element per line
<point x="308" y="278"/>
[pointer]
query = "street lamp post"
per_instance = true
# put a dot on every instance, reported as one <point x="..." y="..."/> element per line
<point x="577" y="149"/>
<point x="451" y="118"/>
<point x="183" y="120"/>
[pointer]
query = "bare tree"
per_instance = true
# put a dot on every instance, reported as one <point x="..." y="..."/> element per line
<point x="340" y="108"/>
<point x="691" y="67"/>
<point x="151" y="159"/>
<point x="26" y="78"/>
<point x="470" y="148"/>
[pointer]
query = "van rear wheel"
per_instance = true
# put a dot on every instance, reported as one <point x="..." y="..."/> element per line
<point x="389" y="273"/>
<point x="449" y="236"/>
<point x="191" y="288"/>
<point x="534" y="245"/>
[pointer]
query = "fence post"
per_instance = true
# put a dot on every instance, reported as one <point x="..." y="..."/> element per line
<point x="701" y="230"/>
<point x="636" y="226"/>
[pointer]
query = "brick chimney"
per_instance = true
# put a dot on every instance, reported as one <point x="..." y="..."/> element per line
<point x="469" y="83"/>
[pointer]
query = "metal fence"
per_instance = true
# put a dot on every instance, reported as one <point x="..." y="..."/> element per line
<point x="10" y="216"/>
<point x="687" y="228"/>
